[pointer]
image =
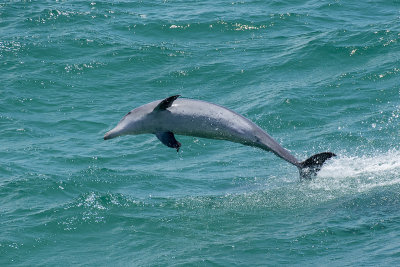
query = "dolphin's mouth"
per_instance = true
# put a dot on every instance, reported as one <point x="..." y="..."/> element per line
<point x="106" y="136"/>
<point x="109" y="135"/>
<point x="115" y="132"/>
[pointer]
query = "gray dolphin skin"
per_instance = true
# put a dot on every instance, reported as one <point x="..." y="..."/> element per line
<point x="170" y="116"/>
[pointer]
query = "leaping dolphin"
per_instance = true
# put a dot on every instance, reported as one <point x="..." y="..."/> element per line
<point x="170" y="116"/>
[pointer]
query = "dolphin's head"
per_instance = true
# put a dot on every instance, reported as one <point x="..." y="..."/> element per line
<point x="135" y="122"/>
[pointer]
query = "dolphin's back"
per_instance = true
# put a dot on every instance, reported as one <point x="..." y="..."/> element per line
<point x="203" y="119"/>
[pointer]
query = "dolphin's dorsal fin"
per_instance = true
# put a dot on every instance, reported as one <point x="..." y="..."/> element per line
<point x="166" y="103"/>
<point x="168" y="139"/>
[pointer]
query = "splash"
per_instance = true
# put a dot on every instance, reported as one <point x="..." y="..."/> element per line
<point x="372" y="166"/>
<point x="361" y="173"/>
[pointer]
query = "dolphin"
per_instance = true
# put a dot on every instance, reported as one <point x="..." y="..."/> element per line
<point x="183" y="116"/>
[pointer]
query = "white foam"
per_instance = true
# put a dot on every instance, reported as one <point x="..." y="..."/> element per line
<point x="349" y="166"/>
<point x="360" y="174"/>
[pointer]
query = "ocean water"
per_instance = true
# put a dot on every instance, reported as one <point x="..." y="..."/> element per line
<point x="316" y="75"/>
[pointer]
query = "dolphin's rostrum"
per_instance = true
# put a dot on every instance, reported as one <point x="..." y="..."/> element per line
<point x="170" y="116"/>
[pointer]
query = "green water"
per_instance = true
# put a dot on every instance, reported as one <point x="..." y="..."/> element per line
<point x="317" y="76"/>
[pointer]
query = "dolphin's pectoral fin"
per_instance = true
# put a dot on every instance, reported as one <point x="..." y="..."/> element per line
<point x="166" y="103"/>
<point x="168" y="139"/>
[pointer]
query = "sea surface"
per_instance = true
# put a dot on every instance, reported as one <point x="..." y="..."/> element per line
<point x="316" y="75"/>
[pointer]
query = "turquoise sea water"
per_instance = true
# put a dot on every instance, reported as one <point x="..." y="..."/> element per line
<point x="316" y="75"/>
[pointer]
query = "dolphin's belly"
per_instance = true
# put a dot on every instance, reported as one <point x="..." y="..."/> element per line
<point x="214" y="129"/>
<point x="214" y="122"/>
<point x="206" y="120"/>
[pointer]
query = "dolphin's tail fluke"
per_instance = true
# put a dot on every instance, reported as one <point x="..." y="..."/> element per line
<point x="309" y="168"/>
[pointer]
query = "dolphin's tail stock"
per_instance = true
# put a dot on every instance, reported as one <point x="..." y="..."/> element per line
<point x="309" y="168"/>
